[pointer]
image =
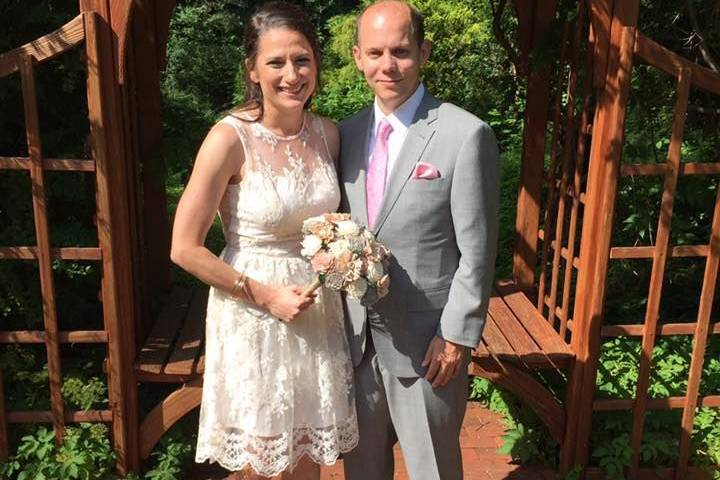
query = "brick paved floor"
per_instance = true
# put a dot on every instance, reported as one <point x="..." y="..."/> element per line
<point x="480" y="439"/>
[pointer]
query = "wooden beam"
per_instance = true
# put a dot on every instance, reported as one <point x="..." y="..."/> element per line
<point x="577" y="185"/>
<point x="143" y="116"/>
<point x="569" y="133"/>
<point x="672" y="63"/>
<point x="659" y="263"/>
<point x="533" y="155"/>
<point x="71" y="416"/>
<point x="121" y="12"/>
<point x="601" y="16"/>
<point x="42" y="234"/>
<point x="604" y="167"/>
<point x="49" y="164"/>
<point x="44" y="48"/>
<point x="680" y="251"/>
<point x="647" y="169"/>
<point x="104" y="112"/>
<point x="663" y="329"/>
<point x="40" y="336"/>
<point x="707" y="297"/>
<point x="164" y="415"/>
<point x="62" y="253"/>
<point x="550" y="219"/>
<point x="667" y="403"/>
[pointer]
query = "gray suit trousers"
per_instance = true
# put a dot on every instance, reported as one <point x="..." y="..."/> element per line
<point x="424" y="420"/>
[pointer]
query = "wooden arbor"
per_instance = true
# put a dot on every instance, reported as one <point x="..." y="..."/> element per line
<point x="123" y="104"/>
<point x="566" y="209"/>
<point x="549" y="317"/>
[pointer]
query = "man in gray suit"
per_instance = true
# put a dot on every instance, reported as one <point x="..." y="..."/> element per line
<point x="424" y="175"/>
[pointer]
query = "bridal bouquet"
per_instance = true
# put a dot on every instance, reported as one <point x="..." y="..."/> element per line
<point x="346" y="257"/>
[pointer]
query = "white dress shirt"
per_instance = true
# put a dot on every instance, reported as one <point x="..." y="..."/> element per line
<point x="400" y="119"/>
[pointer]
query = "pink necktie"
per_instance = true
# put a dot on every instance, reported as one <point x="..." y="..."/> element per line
<point x="377" y="171"/>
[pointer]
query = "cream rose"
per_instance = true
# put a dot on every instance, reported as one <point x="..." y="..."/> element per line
<point x="311" y="244"/>
<point x="347" y="228"/>
<point x="338" y="247"/>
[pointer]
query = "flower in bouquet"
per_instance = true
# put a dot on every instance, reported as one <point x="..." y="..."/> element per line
<point x="346" y="256"/>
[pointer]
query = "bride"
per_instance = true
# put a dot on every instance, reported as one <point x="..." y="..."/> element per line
<point x="277" y="393"/>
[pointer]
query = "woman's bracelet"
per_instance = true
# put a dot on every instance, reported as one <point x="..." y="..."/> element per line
<point x="238" y="286"/>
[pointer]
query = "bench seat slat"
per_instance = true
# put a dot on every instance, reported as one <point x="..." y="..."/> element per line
<point x="159" y="342"/>
<point x="189" y="344"/>
<point x="547" y="338"/>
<point x="514" y="332"/>
<point x="496" y="342"/>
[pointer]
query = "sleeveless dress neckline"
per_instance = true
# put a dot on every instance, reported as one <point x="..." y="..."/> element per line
<point x="285" y="138"/>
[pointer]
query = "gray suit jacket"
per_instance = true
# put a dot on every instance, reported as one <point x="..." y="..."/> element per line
<point x="442" y="234"/>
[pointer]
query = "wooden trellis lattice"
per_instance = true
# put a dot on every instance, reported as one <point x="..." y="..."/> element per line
<point x="91" y="29"/>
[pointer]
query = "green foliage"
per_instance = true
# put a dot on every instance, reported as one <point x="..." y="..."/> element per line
<point x="526" y="439"/>
<point x="466" y="66"/>
<point x="85" y="454"/>
<point x="614" y="456"/>
<point x="344" y="91"/>
<point x="169" y="459"/>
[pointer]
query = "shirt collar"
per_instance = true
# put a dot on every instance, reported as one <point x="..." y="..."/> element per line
<point x="403" y="116"/>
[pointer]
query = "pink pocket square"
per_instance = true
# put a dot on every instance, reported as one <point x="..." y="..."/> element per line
<point x="425" y="171"/>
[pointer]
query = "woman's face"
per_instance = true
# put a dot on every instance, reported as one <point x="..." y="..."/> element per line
<point x="285" y="68"/>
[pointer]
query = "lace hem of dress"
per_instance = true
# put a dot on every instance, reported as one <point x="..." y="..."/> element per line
<point x="269" y="456"/>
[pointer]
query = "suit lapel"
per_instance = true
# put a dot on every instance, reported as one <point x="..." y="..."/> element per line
<point x="358" y="147"/>
<point x="418" y="136"/>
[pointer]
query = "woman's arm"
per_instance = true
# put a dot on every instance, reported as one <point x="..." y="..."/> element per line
<point x="219" y="162"/>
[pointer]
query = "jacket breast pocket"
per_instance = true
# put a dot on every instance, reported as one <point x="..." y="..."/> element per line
<point x="422" y="186"/>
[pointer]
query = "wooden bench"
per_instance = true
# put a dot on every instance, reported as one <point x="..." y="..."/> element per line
<point x="516" y="340"/>
<point x="174" y="352"/>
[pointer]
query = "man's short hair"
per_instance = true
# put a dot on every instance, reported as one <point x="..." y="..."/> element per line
<point x="417" y="22"/>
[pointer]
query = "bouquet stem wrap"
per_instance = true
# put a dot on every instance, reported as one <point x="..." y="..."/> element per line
<point x="312" y="287"/>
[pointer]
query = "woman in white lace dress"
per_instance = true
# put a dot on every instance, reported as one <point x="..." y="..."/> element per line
<point x="277" y="387"/>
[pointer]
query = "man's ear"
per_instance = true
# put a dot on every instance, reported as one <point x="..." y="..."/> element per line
<point x="357" y="55"/>
<point x="425" y="50"/>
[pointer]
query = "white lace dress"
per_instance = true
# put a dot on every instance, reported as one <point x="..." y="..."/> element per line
<point x="275" y="391"/>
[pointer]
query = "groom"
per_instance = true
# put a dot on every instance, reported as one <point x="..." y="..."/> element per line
<point x="424" y="175"/>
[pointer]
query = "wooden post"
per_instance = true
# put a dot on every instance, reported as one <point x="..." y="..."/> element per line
<point x="605" y="155"/>
<point x="113" y="230"/>
<point x="532" y="28"/>
<point x="702" y="329"/>
<point x="42" y="233"/>
<point x="144" y="118"/>
<point x="659" y="263"/>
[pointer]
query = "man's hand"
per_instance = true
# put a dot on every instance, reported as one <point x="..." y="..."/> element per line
<point x="444" y="359"/>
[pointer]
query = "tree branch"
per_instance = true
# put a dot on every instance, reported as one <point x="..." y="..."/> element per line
<point x="704" y="49"/>
<point x="497" y="11"/>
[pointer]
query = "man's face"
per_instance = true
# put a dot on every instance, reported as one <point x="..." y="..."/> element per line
<point x="388" y="54"/>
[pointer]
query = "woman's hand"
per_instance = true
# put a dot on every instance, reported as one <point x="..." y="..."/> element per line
<point x="286" y="303"/>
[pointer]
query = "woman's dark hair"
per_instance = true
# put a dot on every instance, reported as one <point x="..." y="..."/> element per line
<point x="271" y="15"/>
